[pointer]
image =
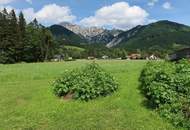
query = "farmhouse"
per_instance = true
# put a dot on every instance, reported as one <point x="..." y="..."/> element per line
<point x="91" y="58"/>
<point x="152" y="57"/>
<point x="58" y="58"/>
<point x="180" y="54"/>
<point x="105" y="57"/>
<point x="134" y="56"/>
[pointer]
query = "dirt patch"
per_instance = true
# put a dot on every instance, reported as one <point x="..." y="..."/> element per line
<point x="69" y="96"/>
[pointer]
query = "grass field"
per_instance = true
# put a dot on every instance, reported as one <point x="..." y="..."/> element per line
<point x="75" y="48"/>
<point x="27" y="102"/>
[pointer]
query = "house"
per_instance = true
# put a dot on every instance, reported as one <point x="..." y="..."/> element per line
<point x="180" y="54"/>
<point x="152" y="57"/>
<point x="105" y="57"/>
<point x="134" y="56"/>
<point x="70" y="58"/>
<point x="58" y="58"/>
<point x="119" y="58"/>
<point x="91" y="58"/>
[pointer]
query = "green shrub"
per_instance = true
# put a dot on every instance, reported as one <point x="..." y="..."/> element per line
<point x="167" y="88"/>
<point x="155" y="80"/>
<point x="85" y="84"/>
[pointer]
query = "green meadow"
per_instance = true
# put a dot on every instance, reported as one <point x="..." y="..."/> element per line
<point x="28" y="103"/>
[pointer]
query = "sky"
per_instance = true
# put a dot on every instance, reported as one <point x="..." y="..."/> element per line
<point x="121" y="14"/>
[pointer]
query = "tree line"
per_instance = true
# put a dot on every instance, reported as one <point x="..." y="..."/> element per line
<point x="22" y="42"/>
<point x="33" y="42"/>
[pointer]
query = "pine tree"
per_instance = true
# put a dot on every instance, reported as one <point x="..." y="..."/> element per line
<point x="2" y="56"/>
<point x="14" y="37"/>
<point x="1" y="28"/>
<point x="22" y="36"/>
<point x="22" y="25"/>
<point x="46" y="44"/>
<point x="35" y="23"/>
<point x="4" y="24"/>
<point x="6" y="44"/>
<point x="33" y="49"/>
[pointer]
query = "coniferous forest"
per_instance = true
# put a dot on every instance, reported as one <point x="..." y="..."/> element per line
<point x="22" y="42"/>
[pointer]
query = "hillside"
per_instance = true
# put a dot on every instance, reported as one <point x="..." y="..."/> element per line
<point x="102" y="38"/>
<point x="65" y="35"/>
<point x="106" y="36"/>
<point x="124" y="36"/>
<point x="159" y="36"/>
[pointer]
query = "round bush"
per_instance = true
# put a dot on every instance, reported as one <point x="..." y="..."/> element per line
<point x="87" y="83"/>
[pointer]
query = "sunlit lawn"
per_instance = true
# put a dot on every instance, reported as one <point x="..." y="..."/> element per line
<point x="27" y="101"/>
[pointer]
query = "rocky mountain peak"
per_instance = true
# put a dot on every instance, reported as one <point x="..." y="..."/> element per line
<point x="81" y="30"/>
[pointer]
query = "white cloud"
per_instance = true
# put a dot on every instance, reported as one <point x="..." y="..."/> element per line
<point x="29" y="1"/>
<point x="9" y="8"/>
<point x="152" y="2"/>
<point x="29" y="14"/>
<point x="119" y="15"/>
<point x="167" y="5"/>
<point x="50" y="14"/>
<point x="5" y="1"/>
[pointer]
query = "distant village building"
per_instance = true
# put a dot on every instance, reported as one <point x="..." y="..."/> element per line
<point x="152" y="57"/>
<point x="119" y="58"/>
<point x="134" y="56"/>
<point x="105" y="57"/>
<point x="180" y="54"/>
<point x="70" y="58"/>
<point x="58" y="58"/>
<point x="91" y="58"/>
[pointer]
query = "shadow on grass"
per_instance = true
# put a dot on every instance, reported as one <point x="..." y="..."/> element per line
<point x="146" y="103"/>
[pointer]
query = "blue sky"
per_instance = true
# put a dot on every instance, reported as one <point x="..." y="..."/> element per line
<point x="123" y="14"/>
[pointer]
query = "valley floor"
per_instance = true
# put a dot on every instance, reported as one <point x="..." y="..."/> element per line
<point x="27" y="101"/>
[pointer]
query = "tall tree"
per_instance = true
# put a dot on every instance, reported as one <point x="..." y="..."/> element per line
<point x="8" y="38"/>
<point x="14" y="36"/>
<point x="22" y="25"/>
<point x="46" y="44"/>
<point x="32" y="49"/>
<point x="22" y="35"/>
<point x="2" y="37"/>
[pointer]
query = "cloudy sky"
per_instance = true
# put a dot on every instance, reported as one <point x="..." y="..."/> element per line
<point x="123" y="14"/>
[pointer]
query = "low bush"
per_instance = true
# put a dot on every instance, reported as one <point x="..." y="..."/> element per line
<point x="167" y="88"/>
<point x="86" y="83"/>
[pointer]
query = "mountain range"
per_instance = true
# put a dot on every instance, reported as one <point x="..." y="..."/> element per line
<point x="66" y="36"/>
<point x="159" y="36"/>
<point x="92" y="34"/>
<point x="80" y="30"/>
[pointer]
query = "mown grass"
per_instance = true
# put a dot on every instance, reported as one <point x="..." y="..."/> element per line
<point x="74" y="48"/>
<point x="27" y="101"/>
